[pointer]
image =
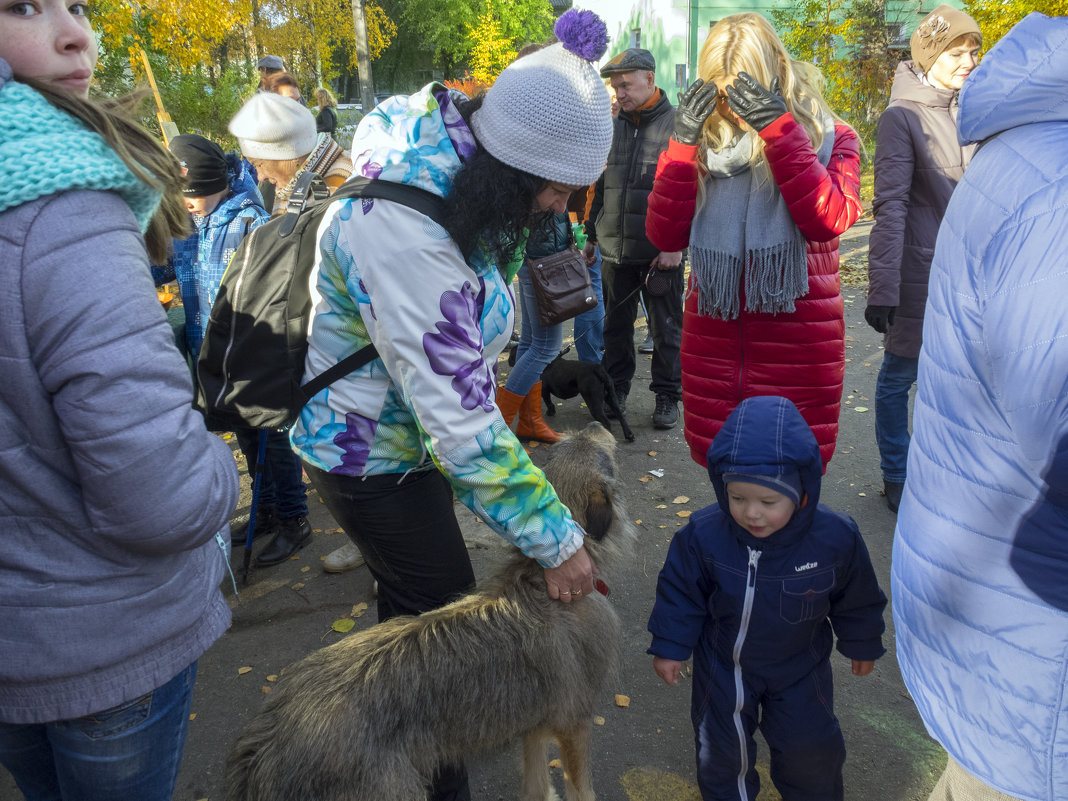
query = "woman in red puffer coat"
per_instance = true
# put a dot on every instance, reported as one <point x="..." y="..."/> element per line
<point x="759" y="181"/>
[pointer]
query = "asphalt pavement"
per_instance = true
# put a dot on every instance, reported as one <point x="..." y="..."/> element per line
<point x="643" y="743"/>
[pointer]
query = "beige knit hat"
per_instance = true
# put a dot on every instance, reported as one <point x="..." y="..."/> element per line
<point x="937" y="31"/>
<point x="548" y="113"/>
<point x="274" y="127"/>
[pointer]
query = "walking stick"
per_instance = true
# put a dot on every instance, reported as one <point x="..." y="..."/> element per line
<point x="257" y="480"/>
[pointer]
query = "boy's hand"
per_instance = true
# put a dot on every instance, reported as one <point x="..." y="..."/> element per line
<point x="669" y="669"/>
<point x="862" y="667"/>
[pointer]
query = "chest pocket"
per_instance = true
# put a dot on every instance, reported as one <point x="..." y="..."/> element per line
<point x="806" y="597"/>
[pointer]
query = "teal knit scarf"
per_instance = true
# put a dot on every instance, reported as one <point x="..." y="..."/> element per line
<point x="44" y="150"/>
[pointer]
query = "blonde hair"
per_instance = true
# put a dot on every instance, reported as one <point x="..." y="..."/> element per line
<point x="748" y="43"/>
<point x="323" y="98"/>
<point x="114" y="120"/>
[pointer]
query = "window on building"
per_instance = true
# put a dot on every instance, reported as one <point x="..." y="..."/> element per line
<point x="635" y="37"/>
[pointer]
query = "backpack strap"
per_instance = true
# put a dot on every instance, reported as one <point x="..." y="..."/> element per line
<point x="351" y="363"/>
<point x="433" y="206"/>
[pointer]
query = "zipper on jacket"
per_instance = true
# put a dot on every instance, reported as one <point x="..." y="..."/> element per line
<point x="739" y="691"/>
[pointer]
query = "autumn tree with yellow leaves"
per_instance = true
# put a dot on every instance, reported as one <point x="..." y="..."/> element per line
<point x="492" y="51"/>
<point x="203" y="52"/>
<point x="996" y="17"/>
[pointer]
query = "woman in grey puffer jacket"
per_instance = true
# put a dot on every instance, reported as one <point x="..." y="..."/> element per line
<point x="918" y="162"/>
<point x="112" y="492"/>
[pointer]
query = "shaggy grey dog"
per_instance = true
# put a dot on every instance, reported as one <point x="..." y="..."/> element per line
<point x="371" y="717"/>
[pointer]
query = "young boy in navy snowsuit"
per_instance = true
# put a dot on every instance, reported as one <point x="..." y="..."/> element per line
<point x="757" y="587"/>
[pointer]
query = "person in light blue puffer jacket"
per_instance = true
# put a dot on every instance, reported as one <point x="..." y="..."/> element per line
<point x="980" y="557"/>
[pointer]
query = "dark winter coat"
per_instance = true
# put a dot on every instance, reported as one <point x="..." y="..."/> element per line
<point x="617" y="214"/>
<point x="767" y="607"/>
<point x="918" y="162"/>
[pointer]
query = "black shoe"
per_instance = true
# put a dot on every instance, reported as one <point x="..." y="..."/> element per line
<point x="892" y="490"/>
<point x="266" y="523"/>
<point x="292" y="535"/>
<point x="647" y="345"/>
<point x="621" y="399"/>
<point x="666" y="413"/>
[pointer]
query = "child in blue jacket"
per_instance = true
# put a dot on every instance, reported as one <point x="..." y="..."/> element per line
<point x="225" y="205"/>
<point x="757" y="587"/>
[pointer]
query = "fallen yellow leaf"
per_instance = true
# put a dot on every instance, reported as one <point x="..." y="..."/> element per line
<point x="358" y="610"/>
<point x="343" y="625"/>
<point x="273" y="677"/>
<point x="622" y="700"/>
<point x="598" y="720"/>
<point x="637" y="522"/>
<point x="305" y="569"/>
<point x="265" y="689"/>
<point x="662" y="506"/>
<point x="299" y="585"/>
<point x="684" y="513"/>
<point x="653" y="453"/>
<point x="682" y="499"/>
<point x="192" y="715"/>
<point x="555" y="763"/>
<point x="860" y="408"/>
<point x="241" y="671"/>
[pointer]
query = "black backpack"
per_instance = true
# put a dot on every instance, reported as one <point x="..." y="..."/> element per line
<point x="251" y="364"/>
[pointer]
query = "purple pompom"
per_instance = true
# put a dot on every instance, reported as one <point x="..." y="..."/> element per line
<point x="582" y="33"/>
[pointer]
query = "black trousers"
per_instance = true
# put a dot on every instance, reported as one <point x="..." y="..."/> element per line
<point x="407" y="531"/>
<point x="619" y="285"/>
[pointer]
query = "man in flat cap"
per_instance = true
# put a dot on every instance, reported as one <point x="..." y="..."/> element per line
<point x="617" y="224"/>
<point x="268" y="66"/>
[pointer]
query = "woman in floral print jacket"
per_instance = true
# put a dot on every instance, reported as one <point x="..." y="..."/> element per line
<point x="387" y="446"/>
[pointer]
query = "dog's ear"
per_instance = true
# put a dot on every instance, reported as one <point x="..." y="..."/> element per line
<point x="599" y="512"/>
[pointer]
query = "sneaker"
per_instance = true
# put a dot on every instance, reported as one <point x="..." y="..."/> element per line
<point x="347" y="557"/>
<point x="893" y="490"/>
<point x="621" y="399"/>
<point x="266" y="523"/>
<point x="647" y="346"/>
<point x="293" y="534"/>
<point x="666" y="413"/>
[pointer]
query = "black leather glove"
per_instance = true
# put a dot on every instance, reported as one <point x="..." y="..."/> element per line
<point x="695" y="104"/>
<point x="880" y="317"/>
<point x="758" y="106"/>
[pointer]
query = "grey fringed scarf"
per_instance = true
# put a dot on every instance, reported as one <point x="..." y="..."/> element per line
<point x="743" y="228"/>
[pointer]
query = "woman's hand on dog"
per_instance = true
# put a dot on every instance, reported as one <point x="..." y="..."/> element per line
<point x="667" y="669"/>
<point x="573" y="579"/>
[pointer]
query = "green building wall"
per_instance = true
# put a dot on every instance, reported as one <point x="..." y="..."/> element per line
<point x="674" y="30"/>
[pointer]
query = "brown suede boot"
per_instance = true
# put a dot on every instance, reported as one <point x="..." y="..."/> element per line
<point x="531" y="425"/>
<point x="510" y="404"/>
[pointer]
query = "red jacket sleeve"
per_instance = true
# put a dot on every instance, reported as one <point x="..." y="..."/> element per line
<point x="824" y="201"/>
<point x="673" y="199"/>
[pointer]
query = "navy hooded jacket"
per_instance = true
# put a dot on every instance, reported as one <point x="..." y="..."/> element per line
<point x="811" y="581"/>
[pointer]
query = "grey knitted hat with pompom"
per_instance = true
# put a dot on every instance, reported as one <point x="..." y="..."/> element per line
<point x="549" y="113"/>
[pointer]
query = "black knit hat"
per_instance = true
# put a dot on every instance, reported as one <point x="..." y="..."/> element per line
<point x="203" y="165"/>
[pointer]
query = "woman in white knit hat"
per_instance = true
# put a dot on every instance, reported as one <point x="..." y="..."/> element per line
<point x="277" y="135"/>
<point x="389" y="445"/>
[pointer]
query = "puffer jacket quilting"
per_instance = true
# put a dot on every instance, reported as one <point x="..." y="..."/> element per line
<point x="801" y="355"/>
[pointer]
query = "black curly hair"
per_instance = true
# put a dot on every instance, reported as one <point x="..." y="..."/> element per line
<point x="491" y="201"/>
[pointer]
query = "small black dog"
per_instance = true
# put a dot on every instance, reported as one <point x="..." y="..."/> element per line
<point x="566" y="379"/>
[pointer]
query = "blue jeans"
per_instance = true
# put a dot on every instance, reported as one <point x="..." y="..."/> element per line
<point x="589" y="326"/>
<point x="131" y="751"/>
<point x="282" y="487"/>
<point x="896" y="377"/>
<point x="538" y="344"/>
